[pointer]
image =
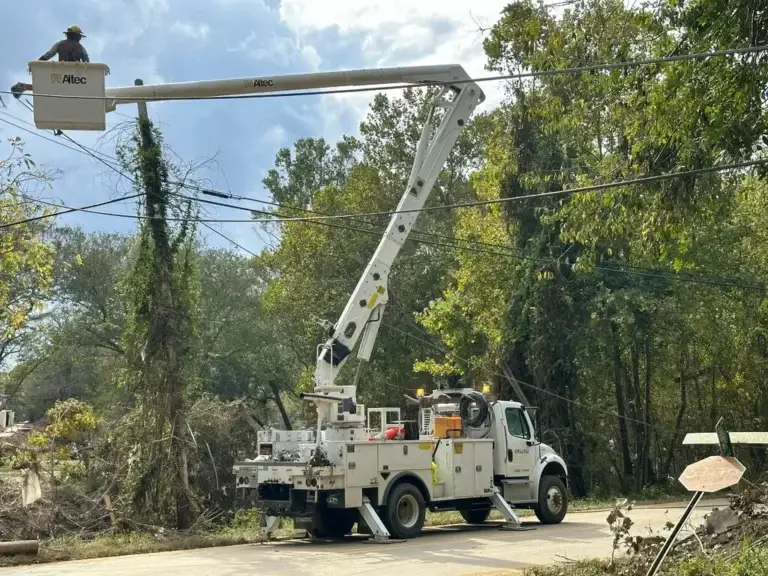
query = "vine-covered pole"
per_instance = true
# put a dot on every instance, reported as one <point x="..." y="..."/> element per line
<point x="164" y="335"/>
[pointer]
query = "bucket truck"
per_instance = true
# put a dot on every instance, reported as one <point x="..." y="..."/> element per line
<point x="467" y="451"/>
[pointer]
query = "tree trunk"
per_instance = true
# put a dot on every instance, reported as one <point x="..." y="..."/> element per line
<point x="636" y="412"/>
<point x="620" y="408"/>
<point x="713" y="411"/>
<point x="678" y="424"/>
<point x="647" y="467"/>
<point x="281" y="406"/>
<point x="19" y="547"/>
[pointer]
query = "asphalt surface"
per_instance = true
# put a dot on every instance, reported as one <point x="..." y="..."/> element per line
<point x="446" y="551"/>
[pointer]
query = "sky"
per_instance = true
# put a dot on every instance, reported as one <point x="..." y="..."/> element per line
<point x="185" y="40"/>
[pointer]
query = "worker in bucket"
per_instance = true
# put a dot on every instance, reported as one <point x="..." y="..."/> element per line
<point x="69" y="49"/>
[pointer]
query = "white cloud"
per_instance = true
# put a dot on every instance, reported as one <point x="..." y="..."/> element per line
<point x="311" y="57"/>
<point x="282" y="50"/>
<point x="142" y="15"/>
<point x="260" y="4"/>
<point x="191" y="30"/>
<point x="274" y="137"/>
<point x="398" y="33"/>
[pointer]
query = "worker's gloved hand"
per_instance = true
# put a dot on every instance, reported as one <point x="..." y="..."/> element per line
<point x="17" y="90"/>
<point x="107" y="71"/>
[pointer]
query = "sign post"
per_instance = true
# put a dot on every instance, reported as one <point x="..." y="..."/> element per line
<point x="709" y="475"/>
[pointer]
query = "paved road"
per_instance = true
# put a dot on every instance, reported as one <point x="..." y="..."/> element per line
<point x="446" y="551"/>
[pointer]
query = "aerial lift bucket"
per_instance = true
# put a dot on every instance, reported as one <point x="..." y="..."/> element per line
<point x="69" y="95"/>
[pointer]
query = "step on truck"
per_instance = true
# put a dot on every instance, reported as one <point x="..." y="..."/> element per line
<point x="466" y="452"/>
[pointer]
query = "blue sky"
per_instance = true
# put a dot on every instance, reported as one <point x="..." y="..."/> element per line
<point x="184" y="40"/>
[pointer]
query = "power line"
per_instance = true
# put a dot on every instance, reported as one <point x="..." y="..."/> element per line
<point x="519" y="76"/>
<point x="243" y="248"/>
<point x="518" y="254"/>
<point x="67" y="210"/>
<point x="27" y="130"/>
<point x="217" y="193"/>
<point x="92" y="153"/>
<point x="719" y="282"/>
<point x="476" y="203"/>
<point x="379" y="232"/>
<point x="650" y="272"/>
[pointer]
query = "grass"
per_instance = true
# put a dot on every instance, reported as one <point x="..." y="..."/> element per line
<point x="749" y="562"/>
<point x="244" y="530"/>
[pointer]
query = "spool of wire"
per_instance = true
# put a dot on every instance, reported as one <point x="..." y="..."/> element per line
<point x="466" y="404"/>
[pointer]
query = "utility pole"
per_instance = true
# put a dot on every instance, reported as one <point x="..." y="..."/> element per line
<point x="163" y="335"/>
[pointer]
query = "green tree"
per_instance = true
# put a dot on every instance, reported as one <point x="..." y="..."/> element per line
<point x="311" y="166"/>
<point x="600" y="307"/>
<point x="77" y="350"/>
<point x="26" y="258"/>
<point x="246" y="353"/>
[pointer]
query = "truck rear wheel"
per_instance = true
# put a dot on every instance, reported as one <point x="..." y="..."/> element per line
<point x="553" y="500"/>
<point x="333" y="522"/>
<point x="405" y="511"/>
<point x="475" y="515"/>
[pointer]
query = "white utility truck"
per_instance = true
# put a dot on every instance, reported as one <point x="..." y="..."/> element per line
<point x="467" y="452"/>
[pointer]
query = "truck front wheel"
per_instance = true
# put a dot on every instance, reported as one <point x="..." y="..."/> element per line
<point x="405" y="511"/>
<point x="553" y="500"/>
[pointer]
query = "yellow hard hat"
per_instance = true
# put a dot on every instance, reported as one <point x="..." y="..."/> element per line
<point x="75" y="30"/>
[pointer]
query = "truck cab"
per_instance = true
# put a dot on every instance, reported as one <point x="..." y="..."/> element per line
<point x="530" y="473"/>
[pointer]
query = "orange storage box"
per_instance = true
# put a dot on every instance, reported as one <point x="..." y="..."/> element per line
<point x="447" y="426"/>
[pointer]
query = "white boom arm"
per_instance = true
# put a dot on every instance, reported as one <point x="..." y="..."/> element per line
<point x="288" y="83"/>
<point x="361" y="318"/>
<point x="72" y="96"/>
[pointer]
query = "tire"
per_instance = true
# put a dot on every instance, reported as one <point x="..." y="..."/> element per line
<point x="553" y="500"/>
<point x="405" y="511"/>
<point x="476" y="515"/>
<point x="333" y="522"/>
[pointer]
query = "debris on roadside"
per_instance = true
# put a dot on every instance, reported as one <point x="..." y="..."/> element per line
<point x="723" y="533"/>
<point x="721" y="538"/>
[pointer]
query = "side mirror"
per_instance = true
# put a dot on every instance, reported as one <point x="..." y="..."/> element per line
<point x="533" y="414"/>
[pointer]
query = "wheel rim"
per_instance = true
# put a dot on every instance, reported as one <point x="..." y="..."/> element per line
<point x="407" y="511"/>
<point x="554" y="500"/>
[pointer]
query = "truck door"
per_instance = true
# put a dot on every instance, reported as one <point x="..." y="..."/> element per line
<point x="520" y="454"/>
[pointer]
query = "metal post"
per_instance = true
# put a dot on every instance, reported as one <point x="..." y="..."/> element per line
<point x="724" y="438"/>
<point x="373" y="521"/>
<point x="511" y="519"/>
<point x="673" y="535"/>
<point x="143" y="114"/>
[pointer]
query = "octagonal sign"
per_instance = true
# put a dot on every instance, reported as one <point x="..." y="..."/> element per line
<point x="712" y="474"/>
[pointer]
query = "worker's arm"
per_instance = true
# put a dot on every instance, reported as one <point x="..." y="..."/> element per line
<point x="51" y="53"/>
<point x="85" y="54"/>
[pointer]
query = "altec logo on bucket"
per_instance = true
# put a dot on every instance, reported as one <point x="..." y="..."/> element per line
<point x="68" y="79"/>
